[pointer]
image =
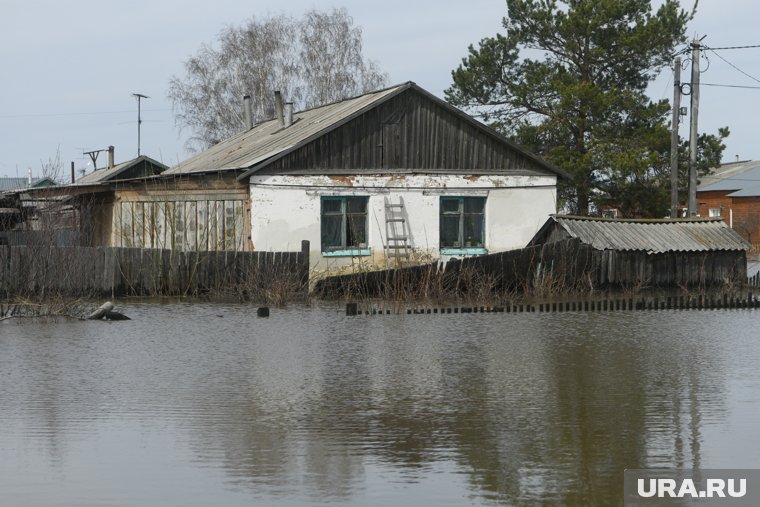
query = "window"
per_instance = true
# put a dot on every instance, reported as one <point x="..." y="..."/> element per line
<point x="714" y="212"/>
<point x="344" y="225"/>
<point x="463" y="225"/>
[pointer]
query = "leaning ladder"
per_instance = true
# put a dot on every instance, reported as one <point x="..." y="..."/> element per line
<point x="396" y="232"/>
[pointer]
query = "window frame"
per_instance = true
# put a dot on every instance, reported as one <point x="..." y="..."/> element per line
<point x="344" y="249"/>
<point x="460" y="248"/>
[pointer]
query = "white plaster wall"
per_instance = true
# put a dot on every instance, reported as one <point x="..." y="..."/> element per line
<point x="286" y="210"/>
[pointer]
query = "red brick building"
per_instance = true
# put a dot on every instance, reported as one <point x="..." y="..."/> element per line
<point x="733" y="193"/>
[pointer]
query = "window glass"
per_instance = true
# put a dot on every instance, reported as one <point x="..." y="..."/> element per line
<point x="331" y="205"/>
<point x="449" y="205"/>
<point x="462" y="222"/>
<point x="344" y="222"/>
<point x="473" y="231"/>
<point x="331" y="231"/>
<point x="474" y="204"/>
<point x="450" y="231"/>
<point x="356" y="204"/>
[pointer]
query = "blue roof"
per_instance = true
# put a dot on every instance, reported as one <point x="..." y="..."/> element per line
<point x="744" y="183"/>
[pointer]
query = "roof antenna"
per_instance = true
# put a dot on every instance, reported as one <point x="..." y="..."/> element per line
<point x="139" y="96"/>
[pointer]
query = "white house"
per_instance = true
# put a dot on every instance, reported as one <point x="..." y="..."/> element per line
<point x="392" y="175"/>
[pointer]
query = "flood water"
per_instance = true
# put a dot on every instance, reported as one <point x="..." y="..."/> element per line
<point x="206" y="404"/>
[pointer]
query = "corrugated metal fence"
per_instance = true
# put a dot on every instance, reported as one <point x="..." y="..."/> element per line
<point x="89" y="271"/>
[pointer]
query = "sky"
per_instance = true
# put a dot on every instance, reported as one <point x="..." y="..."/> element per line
<point x="69" y="69"/>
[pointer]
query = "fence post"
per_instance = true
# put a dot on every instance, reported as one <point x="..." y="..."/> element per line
<point x="304" y="268"/>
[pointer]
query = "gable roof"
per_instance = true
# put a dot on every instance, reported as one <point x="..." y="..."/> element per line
<point x="113" y="173"/>
<point x="12" y="183"/>
<point x="651" y="236"/>
<point x="741" y="178"/>
<point x="268" y="141"/>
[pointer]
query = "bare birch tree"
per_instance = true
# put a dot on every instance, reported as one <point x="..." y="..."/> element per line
<point x="53" y="168"/>
<point x="313" y="60"/>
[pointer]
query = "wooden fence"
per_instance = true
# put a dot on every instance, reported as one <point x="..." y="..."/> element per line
<point x="559" y="267"/>
<point x="654" y="303"/>
<point x="88" y="271"/>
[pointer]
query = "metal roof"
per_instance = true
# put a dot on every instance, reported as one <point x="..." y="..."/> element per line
<point x="248" y="151"/>
<point x="9" y="183"/>
<point x="743" y="178"/>
<point x="651" y="236"/>
<point x="110" y="174"/>
<point x="269" y="138"/>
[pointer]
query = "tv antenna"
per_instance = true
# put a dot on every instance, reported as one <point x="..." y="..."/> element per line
<point x="139" y="97"/>
<point x="94" y="157"/>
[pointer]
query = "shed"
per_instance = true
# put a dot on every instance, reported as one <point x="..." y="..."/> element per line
<point x="661" y="253"/>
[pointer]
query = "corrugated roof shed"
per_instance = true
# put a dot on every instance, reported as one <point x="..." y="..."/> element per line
<point x="651" y="236"/>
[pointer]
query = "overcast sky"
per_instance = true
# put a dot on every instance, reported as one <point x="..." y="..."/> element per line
<point x="69" y="68"/>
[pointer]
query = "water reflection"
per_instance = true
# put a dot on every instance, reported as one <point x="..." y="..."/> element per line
<point x="310" y="406"/>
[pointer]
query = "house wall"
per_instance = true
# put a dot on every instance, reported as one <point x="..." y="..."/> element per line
<point x="286" y="209"/>
<point x="410" y="131"/>
<point x="741" y="213"/>
<point x="201" y="213"/>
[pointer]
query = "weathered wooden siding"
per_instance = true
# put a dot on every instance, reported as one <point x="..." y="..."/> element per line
<point x="407" y="132"/>
<point x="198" y="214"/>
<point x="88" y="271"/>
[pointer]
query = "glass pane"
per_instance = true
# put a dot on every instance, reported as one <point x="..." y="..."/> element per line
<point x="450" y="231"/>
<point x="474" y="204"/>
<point x="449" y="205"/>
<point x="331" y="205"/>
<point x="331" y="231"/>
<point x="356" y="235"/>
<point x="473" y="231"/>
<point x="356" y="204"/>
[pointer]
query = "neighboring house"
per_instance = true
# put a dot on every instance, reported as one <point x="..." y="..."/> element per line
<point x="669" y="252"/>
<point x="396" y="174"/>
<point x="11" y="208"/>
<point x="80" y="212"/>
<point x="733" y="193"/>
<point x="140" y="167"/>
<point x="8" y="184"/>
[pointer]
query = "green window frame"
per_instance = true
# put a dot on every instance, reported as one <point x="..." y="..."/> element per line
<point x="462" y="225"/>
<point x="344" y="225"/>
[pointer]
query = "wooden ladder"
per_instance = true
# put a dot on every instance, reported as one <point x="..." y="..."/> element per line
<point x="396" y="232"/>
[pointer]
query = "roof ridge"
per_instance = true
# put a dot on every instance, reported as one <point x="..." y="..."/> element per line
<point x="639" y="220"/>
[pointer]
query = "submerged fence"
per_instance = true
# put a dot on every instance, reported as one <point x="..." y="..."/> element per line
<point x="87" y="271"/>
<point x="561" y="267"/>
<point x="661" y="303"/>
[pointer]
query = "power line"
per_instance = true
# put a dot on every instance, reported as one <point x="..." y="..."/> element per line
<point x="93" y="113"/>
<point x="732" y="86"/>
<point x="736" y="47"/>
<point x="732" y="65"/>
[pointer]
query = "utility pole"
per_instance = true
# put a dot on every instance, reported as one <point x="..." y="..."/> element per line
<point x="139" y="96"/>
<point x="693" y="133"/>
<point x="674" y="138"/>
